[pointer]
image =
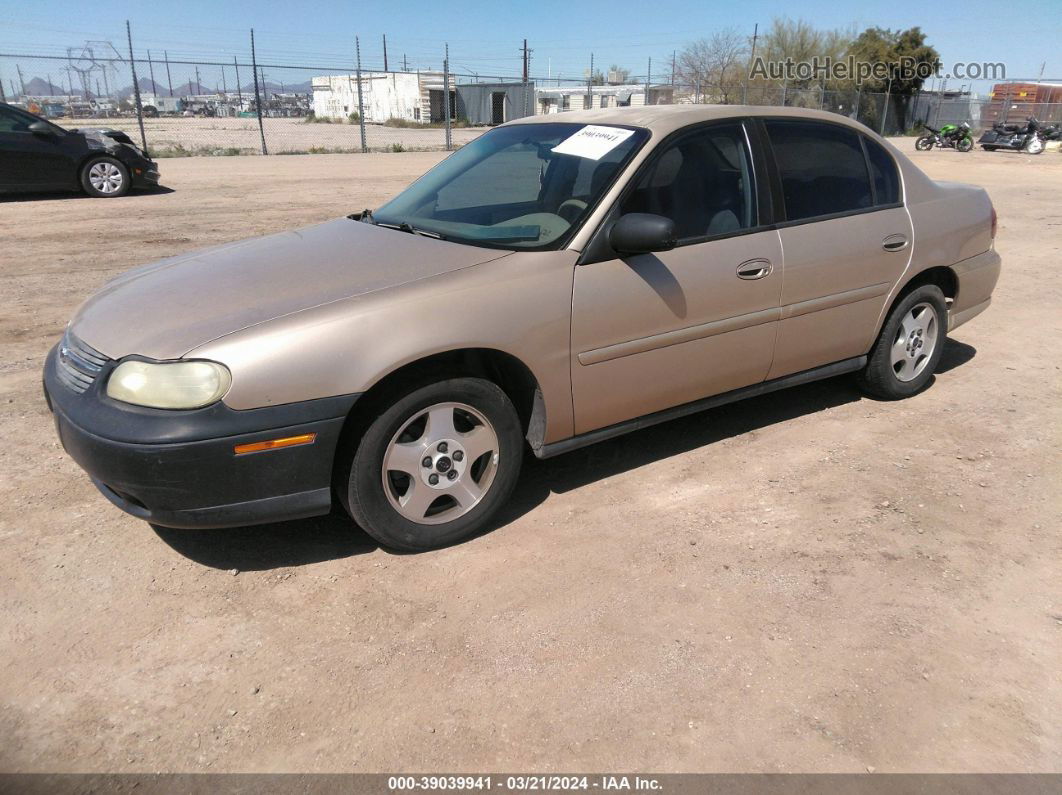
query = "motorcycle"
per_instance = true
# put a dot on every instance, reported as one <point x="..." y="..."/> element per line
<point x="1027" y="138"/>
<point x="950" y="136"/>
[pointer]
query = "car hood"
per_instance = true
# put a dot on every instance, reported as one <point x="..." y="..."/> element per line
<point x="166" y="309"/>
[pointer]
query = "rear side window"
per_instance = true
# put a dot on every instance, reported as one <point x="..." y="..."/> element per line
<point x="822" y="167"/>
<point x="884" y="173"/>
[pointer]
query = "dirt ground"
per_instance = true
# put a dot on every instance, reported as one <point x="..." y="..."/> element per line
<point x="201" y="135"/>
<point x="807" y="581"/>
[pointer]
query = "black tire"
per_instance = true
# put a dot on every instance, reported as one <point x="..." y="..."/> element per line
<point x="113" y="166"/>
<point x="964" y="144"/>
<point x="879" y="378"/>
<point x="362" y="490"/>
<point x="988" y="148"/>
<point x="924" y="143"/>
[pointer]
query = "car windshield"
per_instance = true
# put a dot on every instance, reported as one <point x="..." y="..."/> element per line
<point x="526" y="186"/>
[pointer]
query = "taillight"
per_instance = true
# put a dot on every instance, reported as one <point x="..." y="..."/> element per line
<point x="995" y="223"/>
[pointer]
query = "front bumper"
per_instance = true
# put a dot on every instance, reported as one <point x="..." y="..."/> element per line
<point x="145" y="175"/>
<point x="179" y="469"/>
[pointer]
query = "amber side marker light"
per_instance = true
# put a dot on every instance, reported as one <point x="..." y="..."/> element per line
<point x="274" y="444"/>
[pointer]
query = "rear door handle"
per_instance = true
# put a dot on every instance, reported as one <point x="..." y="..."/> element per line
<point x="754" y="269"/>
<point x="895" y="242"/>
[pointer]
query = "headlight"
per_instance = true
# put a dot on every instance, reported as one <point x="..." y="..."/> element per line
<point x="169" y="385"/>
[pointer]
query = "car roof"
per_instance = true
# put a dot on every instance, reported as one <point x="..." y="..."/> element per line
<point x="664" y="119"/>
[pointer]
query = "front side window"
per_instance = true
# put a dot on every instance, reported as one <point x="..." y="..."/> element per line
<point x="702" y="181"/>
<point x="884" y="172"/>
<point x="509" y="189"/>
<point x="822" y="168"/>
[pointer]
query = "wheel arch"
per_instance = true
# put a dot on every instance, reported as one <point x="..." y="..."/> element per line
<point x="511" y="374"/>
<point x="943" y="276"/>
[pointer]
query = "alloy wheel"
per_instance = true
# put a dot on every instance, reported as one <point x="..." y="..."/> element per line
<point x="916" y="340"/>
<point x="440" y="463"/>
<point x="106" y="177"/>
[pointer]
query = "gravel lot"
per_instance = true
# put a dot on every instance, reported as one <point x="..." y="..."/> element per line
<point x="807" y="581"/>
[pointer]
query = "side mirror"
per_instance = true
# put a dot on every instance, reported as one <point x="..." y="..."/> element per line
<point x="40" y="128"/>
<point x="640" y="233"/>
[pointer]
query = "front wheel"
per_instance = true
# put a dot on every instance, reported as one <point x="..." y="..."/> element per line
<point x="1035" y="146"/>
<point x="964" y="144"/>
<point x="924" y="143"/>
<point x="435" y="467"/>
<point x="105" y="177"/>
<point x="910" y="344"/>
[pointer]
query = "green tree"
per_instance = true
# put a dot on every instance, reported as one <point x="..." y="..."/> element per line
<point x="909" y="61"/>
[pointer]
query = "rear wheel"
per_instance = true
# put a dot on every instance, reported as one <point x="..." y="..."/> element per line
<point x="436" y="466"/>
<point x="911" y="342"/>
<point x="105" y="177"/>
<point x="923" y="143"/>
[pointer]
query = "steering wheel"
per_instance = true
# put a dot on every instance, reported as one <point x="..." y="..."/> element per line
<point x="573" y="207"/>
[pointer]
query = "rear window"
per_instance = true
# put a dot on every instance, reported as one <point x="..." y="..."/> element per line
<point x="822" y="167"/>
<point x="883" y="171"/>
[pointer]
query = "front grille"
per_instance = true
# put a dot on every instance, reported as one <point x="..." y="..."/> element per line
<point x="79" y="364"/>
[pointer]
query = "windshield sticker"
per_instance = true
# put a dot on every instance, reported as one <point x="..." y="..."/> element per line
<point x="593" y="142"/>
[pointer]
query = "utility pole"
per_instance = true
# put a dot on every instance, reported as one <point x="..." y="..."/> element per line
<point x="48" y="75"/>
<point x="752" y="57"/>
<point x="21" y="79"/>
<point x="136" y="87"/>
<point x="151" y="72"/>
<point x="589" y="103"/>
<point x="446" y="98"/>
<point x="405" y="64"/>
<point x="224" y="85"/>
<point x="257" y="95"/>
<point x="169" y="80"/>
<point x="648" y="80"/>
<point x="361" y="99"/>
<point x="526" y="72"/>
<point x="198" y="86"/>
<point x="672" y="68"/>
<point x="385" y="51"/>
<point x="239" y="90"/>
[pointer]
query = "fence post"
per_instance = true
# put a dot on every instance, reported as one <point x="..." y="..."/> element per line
<point x="885" y="113"/>
<point x="361" y="102"/>
<point x="136" y="87"/>
<point x="446" y="99"/>
<point x="257" y="95"/>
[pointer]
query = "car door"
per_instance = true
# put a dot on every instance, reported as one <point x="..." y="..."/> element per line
<point x="846" y="235"/>
<point x="652" y="331"/>
<point x="31" y="161"/>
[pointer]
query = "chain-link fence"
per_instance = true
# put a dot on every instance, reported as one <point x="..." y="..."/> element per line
<point x="242" y="105"/>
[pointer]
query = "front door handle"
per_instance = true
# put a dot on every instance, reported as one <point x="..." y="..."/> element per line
<point x="895" y="242"/>
<point x="754" y="269"/>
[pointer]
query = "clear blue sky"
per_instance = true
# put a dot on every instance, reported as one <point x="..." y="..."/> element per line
<point x="485" y="37"/>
